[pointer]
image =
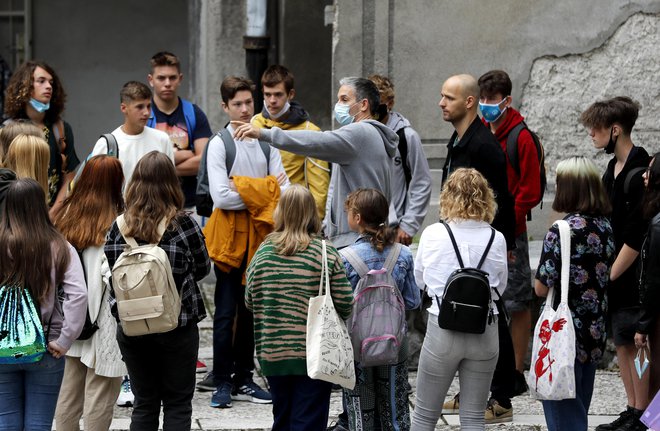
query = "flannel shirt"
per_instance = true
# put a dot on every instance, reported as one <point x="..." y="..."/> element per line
<point x="184" y="243"/>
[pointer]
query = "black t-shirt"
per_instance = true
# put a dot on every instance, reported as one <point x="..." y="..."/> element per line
<point x="176" y="127"/>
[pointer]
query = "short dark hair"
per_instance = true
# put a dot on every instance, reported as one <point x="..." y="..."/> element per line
<point x="603" y="114"/>
<point x="579" y="188"/>
<point x="495" y="82"/>
<point x="275" y="74"/>
<point x="133" y="91"/>
<point x="232" y="85"/>
<point x="165" y="58"/>
<point x="364" y="89"/>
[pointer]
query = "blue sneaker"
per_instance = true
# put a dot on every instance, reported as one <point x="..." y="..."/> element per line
<point x="250" y="391"/>
<point x="221" y="397"/>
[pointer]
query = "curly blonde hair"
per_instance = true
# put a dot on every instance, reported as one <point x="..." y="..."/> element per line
<point x="467" y="196"/>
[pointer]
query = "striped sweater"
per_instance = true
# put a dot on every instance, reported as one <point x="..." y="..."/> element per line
<point x="277" y="291"/>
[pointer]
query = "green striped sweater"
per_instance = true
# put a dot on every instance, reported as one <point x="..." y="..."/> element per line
<point x="278" y="291"/>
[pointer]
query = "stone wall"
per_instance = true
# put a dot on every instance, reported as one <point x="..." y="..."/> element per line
<point x="560" y="88"/>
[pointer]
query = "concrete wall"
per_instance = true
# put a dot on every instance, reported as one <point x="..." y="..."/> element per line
<point x="299" y="40"/>
<point x="420" y="43"/>
<point x="96" y="46"/>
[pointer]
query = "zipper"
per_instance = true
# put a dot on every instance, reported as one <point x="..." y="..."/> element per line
<point x="455" y="303"/>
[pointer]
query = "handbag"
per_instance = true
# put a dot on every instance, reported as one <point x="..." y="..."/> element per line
<point x="552" y="374"/>
<point x="651" y="416"/>
<point x="22" y="338"/>
<point x="328" y="345"/>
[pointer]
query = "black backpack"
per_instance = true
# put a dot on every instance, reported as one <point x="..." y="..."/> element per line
<point x="512" y="154"/>
<point x="204" y="202"/>
<point x="466" y="303"/>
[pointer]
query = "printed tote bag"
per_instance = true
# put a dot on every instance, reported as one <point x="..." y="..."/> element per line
<point x="329" y="348"/>
<point x="552" y="375"/>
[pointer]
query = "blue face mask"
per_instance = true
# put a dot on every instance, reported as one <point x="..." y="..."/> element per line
<point x="341" y="114"/>
<point x="492" y="113"/>
<point x="38" y="106"/>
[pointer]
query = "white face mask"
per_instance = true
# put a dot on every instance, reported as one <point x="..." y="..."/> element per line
<point x="283" y="111"/>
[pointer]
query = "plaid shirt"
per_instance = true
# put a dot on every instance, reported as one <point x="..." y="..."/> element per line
<point x="184" y="243"/>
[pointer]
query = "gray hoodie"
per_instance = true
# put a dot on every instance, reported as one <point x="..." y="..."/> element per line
<point x="410" y="201"/>
<point x="361" y="154"/>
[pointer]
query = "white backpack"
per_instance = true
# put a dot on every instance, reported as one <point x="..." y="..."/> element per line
<point x="148" y="301"/>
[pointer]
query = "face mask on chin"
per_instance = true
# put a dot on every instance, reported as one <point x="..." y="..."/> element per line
<point x="612" y="142"/>
<point x="283" y="111"/>
<point x="38" y="106"/>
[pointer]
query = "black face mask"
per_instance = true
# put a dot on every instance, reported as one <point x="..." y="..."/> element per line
<point x="610" y="145"/>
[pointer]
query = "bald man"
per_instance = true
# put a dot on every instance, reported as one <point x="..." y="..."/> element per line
<point x="473" y="145"/>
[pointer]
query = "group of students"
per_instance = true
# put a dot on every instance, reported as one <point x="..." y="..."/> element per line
<point x="61" y="241"/>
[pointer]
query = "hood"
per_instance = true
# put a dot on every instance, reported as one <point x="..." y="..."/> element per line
<point x="296" y="115"/>
<point x="397" y="121"/>
<point x="6" y="178"/>
<point x="390" y="138"/>
<point x="512" y="119"/>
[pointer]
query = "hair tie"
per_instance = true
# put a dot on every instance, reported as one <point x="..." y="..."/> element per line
<point x="382" y="224"/>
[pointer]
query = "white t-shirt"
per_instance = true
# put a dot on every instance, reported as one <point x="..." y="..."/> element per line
<point x="133" y="147"/>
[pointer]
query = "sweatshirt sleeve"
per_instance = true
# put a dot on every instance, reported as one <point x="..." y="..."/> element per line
<point x="216" y="166"/>
<point x="275" y="167"/>
<point x="75" y="301"/>
<point x="337" y="146"/>
<point x="419" y="189"/>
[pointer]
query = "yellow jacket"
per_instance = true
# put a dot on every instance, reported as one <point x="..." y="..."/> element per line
<point x="314" y="174"/>
<point x="230" y="235"/>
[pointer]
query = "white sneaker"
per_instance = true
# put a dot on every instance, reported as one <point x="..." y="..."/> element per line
<point x="126" y="396"/>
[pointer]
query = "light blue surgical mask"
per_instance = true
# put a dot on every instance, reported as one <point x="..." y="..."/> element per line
<point x="38" y="106"/>
<point x="492" y="112"/>
<point x="341" y="114"/>
<point x="641" y="361"/>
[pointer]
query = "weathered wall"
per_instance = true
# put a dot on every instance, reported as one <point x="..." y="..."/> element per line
<point x="560" y="88"/>
<point x="420" y="43"/>
<point x="96" y="46"/>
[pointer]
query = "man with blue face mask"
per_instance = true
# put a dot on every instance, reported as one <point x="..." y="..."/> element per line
<point x="361" y="151"/>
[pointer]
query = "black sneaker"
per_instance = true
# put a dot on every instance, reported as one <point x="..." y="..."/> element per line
<point x="519" y="384"/>
<point x="625" y="418"/>
<point x="207" y="384"/>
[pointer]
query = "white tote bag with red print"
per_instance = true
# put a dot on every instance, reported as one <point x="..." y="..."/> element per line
<point x="552" y="374"/>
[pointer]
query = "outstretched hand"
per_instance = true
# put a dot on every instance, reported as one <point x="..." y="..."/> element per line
<point x="245" y="130"/>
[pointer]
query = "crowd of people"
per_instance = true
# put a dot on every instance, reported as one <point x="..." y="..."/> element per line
<point x="278" y="187"/>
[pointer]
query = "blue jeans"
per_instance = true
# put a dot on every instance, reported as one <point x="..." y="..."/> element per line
<point x="28" y="394"/>
<point x="232" y="353"/>
<point x="571" y="415"/>
<point x="299" y="403"/>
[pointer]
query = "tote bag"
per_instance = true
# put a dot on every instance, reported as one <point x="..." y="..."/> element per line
<point x="329" y="348"/>
<point x="552" y="375"/>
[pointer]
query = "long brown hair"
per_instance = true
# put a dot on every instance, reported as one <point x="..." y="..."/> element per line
<point x="31" y="245"/>
<point x="94" y="203"/>
<point x="296" y="221"/>
<point x="374" y="209"/>
<point x="153" y="193"/>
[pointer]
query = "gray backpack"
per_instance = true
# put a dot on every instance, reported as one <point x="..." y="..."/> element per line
<point x="378" y="322"/>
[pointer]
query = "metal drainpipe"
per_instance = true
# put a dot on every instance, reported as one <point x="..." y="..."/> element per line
<point x="256" y="43"/>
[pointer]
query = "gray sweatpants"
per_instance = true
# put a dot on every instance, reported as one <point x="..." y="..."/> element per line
<point x="443" y="354"/>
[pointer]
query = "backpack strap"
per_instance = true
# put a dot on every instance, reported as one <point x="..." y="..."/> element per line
<point x="111" y="144"/>
<point x="403" y="151"/>
<point x="191" y="121"/>
<point x="458" y="254"/>
<point x="629" y="178"/>
<point x="121" y="224"/>
<point x="355" y="260"/>
<point x="392" y="257"/>
<point x="230" y="150"/>
<point x="512" y="146"/>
